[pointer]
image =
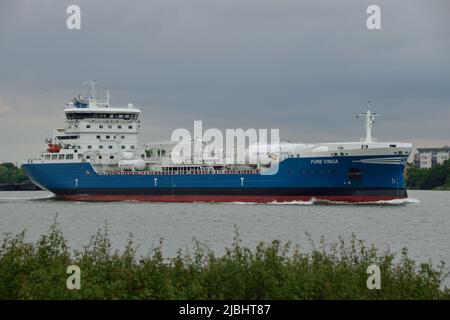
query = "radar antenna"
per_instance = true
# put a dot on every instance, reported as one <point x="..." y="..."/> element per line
<point x="92" y="91"/>
<point x="369" y="118"/>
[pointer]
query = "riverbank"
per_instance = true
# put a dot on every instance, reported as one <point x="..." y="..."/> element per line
<point x="434" y="178"/>
<point x="23" y="186"/>
<point x="13" y="178"/>
<point x="269" y="271"/>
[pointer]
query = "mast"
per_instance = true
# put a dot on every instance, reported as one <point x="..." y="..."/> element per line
<point x="369" y="118"/>
<point x="92" y="91"/>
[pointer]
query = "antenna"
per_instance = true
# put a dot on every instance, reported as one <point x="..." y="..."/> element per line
<point x="369" y="118"/>
<point x="92" y="91"/>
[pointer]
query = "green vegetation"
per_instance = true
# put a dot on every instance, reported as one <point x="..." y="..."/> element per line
<point x="437" y="177"/>
<point x="9" y="173"/>
<point x="270" y="271"/>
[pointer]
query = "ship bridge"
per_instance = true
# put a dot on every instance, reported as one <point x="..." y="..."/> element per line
<point x="131" y="113"/>
<point x="95" y="131"/>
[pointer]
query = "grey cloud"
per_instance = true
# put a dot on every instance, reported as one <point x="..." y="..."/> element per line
<point x="4" y="107"/>
<point x="303" y="66"/>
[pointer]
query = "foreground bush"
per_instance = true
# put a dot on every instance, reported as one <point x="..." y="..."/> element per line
<point x="270" y="271"/>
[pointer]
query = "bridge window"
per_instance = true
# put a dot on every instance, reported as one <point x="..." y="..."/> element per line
<point x="97" y="115"/>
<point x="69" y="156"/>
<point x="88" y="126"/>
<point x="67" y="137"/>
<point x="61" y="157"/>
<point x="110" y="147"/>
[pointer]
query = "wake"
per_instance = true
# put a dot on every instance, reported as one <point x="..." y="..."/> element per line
<point x="394" y="202"/>
<point x="20" y="199"/>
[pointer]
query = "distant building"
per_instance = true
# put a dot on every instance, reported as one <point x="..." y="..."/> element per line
<point x="428" y="157"/>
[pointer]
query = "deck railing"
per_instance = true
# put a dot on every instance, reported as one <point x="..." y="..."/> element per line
<point x="167" y="173"/>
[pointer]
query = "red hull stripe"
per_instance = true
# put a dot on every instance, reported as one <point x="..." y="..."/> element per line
<point x="226" y="198"/>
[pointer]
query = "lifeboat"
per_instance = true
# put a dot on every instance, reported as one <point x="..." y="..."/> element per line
<point x="53" y="148"/>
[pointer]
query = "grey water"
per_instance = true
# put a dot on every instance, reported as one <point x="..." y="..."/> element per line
<point x="421" y="223"/>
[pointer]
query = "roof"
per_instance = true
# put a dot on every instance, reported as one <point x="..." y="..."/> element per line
<point x="101" y="110"/>
<point x="437" y="149"/>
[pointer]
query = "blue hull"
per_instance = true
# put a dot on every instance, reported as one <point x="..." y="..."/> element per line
<point x="346" y="178"/>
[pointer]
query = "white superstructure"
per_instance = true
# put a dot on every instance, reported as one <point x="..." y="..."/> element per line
<point x="95" y="131"/>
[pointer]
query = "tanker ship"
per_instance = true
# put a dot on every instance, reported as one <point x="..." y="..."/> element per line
<point x="96" y="156"/>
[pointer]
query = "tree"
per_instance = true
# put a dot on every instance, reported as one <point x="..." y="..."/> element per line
<point x="437" y="176"/>
<point x="9" y="173"/>
<point x="3" y="174"/>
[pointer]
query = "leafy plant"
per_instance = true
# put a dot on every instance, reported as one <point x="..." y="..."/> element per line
<point x="269" y="271"/>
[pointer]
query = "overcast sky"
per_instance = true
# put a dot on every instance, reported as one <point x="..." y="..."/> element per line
<point x="305" y="67"/>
